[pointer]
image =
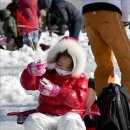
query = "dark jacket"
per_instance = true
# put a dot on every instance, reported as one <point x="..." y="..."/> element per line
<point x="65" y="12"/>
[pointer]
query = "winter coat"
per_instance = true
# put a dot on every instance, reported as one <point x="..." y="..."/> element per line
<point x="65" y="12"/>
<point x="9" y="26"/>
<point x="73" y="88"/>
<point x="121" y="6"/>
<point x="71" y="97"/>
<point x="29" y="9"/>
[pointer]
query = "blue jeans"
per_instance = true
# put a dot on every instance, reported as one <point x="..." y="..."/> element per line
<point x="31" y="38"/>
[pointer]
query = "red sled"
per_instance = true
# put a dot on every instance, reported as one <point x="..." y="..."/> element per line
<point x="94" y="113"/>
<point x="21" y="116"/>
<point x="25" y="113"/>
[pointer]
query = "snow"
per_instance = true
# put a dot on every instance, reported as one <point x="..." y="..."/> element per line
<point x="12" y="96"/>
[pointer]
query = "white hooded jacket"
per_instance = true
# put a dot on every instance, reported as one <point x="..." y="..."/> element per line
<point x="76" y="51"/>
<point x="123" y="5"/>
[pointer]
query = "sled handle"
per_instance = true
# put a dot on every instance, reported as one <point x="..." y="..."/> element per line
<point x="24" y="113"/>
<point x="14" y="113"/>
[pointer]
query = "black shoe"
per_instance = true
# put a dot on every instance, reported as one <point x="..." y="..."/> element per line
<point x="1" y="47"/>
<point x="44" y="47"/>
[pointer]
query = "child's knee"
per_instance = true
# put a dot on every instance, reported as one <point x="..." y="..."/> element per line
<point x="72" y="118"/>
<point x="72" y="121"/>
<point x="32" y="119"/>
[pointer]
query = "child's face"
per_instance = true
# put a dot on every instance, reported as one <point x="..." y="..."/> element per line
<point x="64" y="63"/>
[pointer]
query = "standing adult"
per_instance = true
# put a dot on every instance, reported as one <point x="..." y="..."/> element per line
<point x="29" y="10"/>
<point x="66" y="13"/>
<point x="104" y="26"/>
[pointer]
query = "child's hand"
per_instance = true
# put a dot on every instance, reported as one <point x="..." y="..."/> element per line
<point x="37" y="68"/>
<point x="47" y="88"/>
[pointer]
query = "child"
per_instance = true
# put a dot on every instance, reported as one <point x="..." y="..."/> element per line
<point x="63" y="88"/>
<point x="9" y="26"/>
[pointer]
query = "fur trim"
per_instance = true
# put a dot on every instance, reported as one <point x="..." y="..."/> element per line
<point x="76" y="51"/>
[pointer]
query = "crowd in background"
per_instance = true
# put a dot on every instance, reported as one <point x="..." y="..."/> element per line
<point x="104" y="23"/>
<point x="25" y="20"/>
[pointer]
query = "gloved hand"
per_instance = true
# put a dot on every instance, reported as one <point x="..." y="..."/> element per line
<point x="37" y="68"/>
<point x="47" y="88"/>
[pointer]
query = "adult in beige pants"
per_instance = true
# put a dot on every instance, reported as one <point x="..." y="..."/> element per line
<point x="104" y="26"/>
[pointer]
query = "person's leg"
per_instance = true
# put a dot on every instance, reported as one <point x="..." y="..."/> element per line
<point x="116" y="38"/>
<point x="74" y="29"/>
<point x="71" y="121"/>
<point x="26" y="40"/>
<point x="110" y="27"/>
<point x="39" y="121"/>
<point x="120" y="45"/>
<point x="18" y="42"/>
<point x="34" y="35"/>
<point x="104" y="73"/>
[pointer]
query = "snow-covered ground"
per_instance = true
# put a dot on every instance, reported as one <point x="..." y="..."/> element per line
<point x="12" y="96"/>
<point x="4" y="3"/>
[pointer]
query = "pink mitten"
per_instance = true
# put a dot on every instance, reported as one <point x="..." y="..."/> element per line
<point x="47" y="88"/>
<point x="37" y="68"/>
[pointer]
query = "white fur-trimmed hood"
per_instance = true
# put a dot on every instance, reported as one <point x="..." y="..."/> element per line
<point x="76" y="51"/>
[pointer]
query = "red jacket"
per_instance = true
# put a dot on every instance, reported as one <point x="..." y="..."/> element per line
<point x="29" y="9"/>
<point x="71" y="97"/>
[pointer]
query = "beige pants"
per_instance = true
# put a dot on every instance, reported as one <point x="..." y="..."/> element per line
<point x="107" y="35"/>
